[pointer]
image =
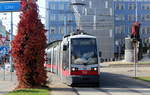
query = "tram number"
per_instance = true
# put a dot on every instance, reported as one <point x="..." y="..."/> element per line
<point x="84" y="72"/>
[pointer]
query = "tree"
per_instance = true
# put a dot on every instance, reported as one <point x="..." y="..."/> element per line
<point x="28" y="47"/>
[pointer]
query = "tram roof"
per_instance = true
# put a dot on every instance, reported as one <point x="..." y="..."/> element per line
<point x="82" y="36"/>
<point x="53" y="44"/>
<point x="79" y="35"/>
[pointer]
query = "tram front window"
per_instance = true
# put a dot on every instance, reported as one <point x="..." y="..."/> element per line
<point x="84" y="51"/>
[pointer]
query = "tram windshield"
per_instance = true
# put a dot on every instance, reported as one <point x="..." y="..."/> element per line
<point x="84" y="51"/>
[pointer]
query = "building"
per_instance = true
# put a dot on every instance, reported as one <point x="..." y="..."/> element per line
<point x="125" y="15"/>
<point x="96" y="18"/>
<point x="60" y="19"/>
<point x="109" y="20"/>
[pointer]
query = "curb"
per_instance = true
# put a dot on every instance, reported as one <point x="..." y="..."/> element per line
<point x="123" y="65"/>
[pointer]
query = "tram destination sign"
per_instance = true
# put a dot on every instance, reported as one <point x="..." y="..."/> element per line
<point x="9" y="5"/>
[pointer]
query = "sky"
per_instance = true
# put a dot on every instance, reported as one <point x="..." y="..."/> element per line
<point x="6" y="17"/>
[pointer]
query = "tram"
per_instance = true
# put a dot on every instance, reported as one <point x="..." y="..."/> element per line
<point x="74" y="59"/>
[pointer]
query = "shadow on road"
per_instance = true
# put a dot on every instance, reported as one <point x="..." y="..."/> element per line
<point x="110" y="80"/>
<point x="110" y="84"/>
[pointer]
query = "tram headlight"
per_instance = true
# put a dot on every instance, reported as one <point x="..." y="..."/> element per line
<point x="94" y="68"/>
<point x="74" y="69"/>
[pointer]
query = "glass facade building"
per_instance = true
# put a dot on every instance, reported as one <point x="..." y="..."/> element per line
<point x="125" y="15"/>
<point x="60" y="19"/>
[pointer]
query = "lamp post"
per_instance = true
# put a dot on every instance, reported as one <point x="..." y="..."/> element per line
<point x="11" y="38"/>
<point x="136" y="11"/>
<point x="78" y="4"/>
<point x="135" y="43"/>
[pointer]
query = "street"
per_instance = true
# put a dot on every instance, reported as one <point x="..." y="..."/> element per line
<point x="113" y="81"/>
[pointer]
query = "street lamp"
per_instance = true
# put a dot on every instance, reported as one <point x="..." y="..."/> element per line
<point x="76" y="11"/>
<point x="136" y="42"/>
<point x="136" y="11"/>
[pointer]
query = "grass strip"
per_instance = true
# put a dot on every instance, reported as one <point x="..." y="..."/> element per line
<point x="29" y="92"/>
<point x="143" y="78"/>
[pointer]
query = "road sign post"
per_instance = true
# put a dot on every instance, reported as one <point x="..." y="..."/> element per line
<point x="10" y="6"/>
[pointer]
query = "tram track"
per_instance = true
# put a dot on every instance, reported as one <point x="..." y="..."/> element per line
<point x="119" y="87"/>
<point x="102" y="91"/>
<point x="75" y="90"/>
<point x="90" y="91"/>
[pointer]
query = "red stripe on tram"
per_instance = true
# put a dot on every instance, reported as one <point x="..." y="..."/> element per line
<point x="84" y="72"/>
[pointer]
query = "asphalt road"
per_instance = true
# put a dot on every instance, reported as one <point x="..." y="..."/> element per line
<point x="113" y="81"/>
<point x="115" y="84"/>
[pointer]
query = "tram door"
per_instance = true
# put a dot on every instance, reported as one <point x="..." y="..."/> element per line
<point x="65" y="63"/>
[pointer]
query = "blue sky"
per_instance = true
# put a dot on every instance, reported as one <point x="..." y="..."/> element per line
<point x="41" y="4"/>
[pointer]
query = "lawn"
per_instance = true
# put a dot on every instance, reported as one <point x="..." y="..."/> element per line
<point x="144" y="78"/>
<point x="144" y="63"/>
<point x="29" y="92"/>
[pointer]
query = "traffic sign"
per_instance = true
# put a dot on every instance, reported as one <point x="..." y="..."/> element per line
<point x="9" y="6"/>
<point x="4" y="50"/>
<point x="9" y="0"/>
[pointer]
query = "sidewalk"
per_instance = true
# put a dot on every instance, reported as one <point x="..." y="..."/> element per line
<point x="7" y="86"/>
<point x="7" y="83"/>
<point x="122" y="64"/>
<point x="59" y="88"/>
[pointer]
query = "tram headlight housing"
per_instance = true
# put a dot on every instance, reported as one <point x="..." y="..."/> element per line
<point x="94" y="68"/>
<point x="74" y="69"/>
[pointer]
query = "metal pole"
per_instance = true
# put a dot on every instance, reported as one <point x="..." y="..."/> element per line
<point x="4" y="71"/>
<point x="135" y="59"/>
<point x="136" y="11"/>
<point x="119" y="52"/>
<point x="11" y="38"/>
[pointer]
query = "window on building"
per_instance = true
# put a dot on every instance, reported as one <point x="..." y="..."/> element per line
<point x="131" y="17"/>
<point x="61" y="17"/>
<point x="90" y="4"/>
<point x="69" y="18"/>
<point x="52" y="30"/>
<point x="146" y="6"/>
<point x="145" y="42"/>
<point x="52" y="17"/>
<point x="61" y="6"/>
<point x="119" y="29"/>
<point x="119" y="17"/>
<point x="146" y="17"/>
<point x="52" y="6"/>
<point x="119" y="6"/>
<point x="146" y="30"/>
<point x="129" y="30"/>
<point x="106" y="4"/>
<point x="132" y="6"/>
<point x="61" y="30"/>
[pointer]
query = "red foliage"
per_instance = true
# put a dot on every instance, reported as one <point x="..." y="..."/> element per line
<point x="28" y="47"/>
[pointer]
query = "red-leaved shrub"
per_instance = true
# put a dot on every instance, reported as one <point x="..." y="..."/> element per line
<point x="28" y="47"/>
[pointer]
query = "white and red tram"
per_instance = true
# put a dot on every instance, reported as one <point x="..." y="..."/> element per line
<point x="74" y="59"/>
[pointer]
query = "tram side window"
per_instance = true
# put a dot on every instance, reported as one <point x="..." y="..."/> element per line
<point x="49" y="59"/>
<point x="65" y="57"/>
